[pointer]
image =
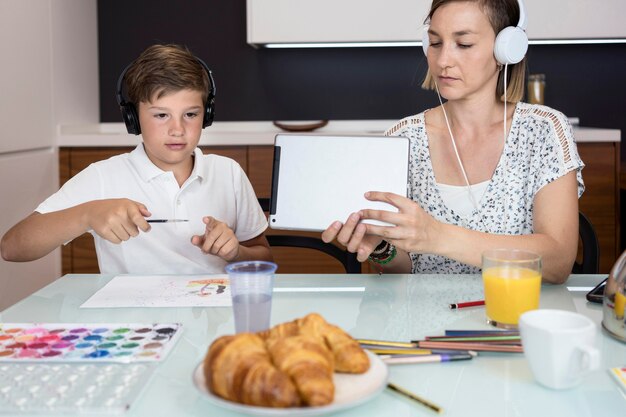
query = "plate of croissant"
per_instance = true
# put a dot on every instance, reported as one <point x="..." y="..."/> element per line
<point x="300" y="368"/>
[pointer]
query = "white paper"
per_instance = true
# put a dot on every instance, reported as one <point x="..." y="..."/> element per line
<point x="162" y="291"/>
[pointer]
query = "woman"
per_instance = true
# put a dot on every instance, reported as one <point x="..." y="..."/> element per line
<point x="524" y="187"/>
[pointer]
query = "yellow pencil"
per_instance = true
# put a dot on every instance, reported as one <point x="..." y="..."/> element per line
<point x="401" y="351"/>
<point x="386" y="343"/>
<point x="414" y="397"/>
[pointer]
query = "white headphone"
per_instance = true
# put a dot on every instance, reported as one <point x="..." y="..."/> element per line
<point x="511" y="43"/>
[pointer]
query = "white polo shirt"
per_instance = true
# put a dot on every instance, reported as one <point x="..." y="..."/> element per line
<point x="217" y="187"/>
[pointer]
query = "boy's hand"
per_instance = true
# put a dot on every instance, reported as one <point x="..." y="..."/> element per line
<point x="218" y="240"/>
<point x="117" y="220"/>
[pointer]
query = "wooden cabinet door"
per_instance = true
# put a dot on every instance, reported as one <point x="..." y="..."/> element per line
<point x="260" y="165"/>
<point x="600" y="201"/>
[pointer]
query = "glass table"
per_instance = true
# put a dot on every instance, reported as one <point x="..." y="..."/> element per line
<point x="387" y="307"/>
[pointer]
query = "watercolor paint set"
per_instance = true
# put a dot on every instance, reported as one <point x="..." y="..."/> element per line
<point x="101" y="342"/>
<point x="54" y="388"/>
<point x="59" y="368"/>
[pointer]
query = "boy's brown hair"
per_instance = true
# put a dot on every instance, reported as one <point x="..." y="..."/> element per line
<point x="165" y="69"/>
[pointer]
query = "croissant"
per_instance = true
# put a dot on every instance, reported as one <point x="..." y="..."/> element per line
<point x="282" y="330"/>
<point x="238" y="368"/>
<point x="310" y="365"/>
<point x="348" y="354"/>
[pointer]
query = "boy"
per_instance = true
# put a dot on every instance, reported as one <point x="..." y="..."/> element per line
<point x="170" y="95"/>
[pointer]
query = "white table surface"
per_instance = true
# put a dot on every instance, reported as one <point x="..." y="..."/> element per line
<point x="390" y="307"/>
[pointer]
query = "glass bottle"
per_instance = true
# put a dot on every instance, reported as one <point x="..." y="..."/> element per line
<point x="536" y="88"/>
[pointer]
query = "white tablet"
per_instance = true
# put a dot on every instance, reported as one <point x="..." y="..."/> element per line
<point x="319" y="179"/>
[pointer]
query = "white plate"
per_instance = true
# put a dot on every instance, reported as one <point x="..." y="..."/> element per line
<point x="350" y="391"/>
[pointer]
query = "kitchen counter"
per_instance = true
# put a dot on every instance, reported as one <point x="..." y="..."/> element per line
<point x="260" y="133"/>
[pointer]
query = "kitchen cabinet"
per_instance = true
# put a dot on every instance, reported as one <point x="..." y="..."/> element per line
<point x="48" y="77"/>
<point x="331" y="21"/>
<point x="600" y="201"/>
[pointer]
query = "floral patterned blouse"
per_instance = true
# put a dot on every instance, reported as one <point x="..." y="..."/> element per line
<point x="539" y="149"/>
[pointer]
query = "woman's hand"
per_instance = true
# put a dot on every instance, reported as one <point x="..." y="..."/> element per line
<point x="412" y="230"/>
<point x="352" y="234"/>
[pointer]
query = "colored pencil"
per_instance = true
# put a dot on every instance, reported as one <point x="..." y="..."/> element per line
<point x="385" y="343"/>
<point x="466" y="304"/>
<point x="425" y="359"/>
<point x="485" y="347"/>
<point x="414" y="397"/>
<point x="166" y="220"/>
<point x="459" y="333"/>
<point x="411" y="351"/>
<point x="401" y="351"/>
<point x="487" y="338"/>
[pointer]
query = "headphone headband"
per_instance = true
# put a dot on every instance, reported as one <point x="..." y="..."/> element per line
<point x="523" y="22"/>
<point x="131" y="116"/>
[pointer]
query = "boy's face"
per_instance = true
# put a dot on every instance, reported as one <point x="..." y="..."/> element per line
<point x="171" y="126"/>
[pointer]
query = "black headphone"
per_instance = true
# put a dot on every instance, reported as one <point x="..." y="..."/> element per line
<point x="129" y="111"/>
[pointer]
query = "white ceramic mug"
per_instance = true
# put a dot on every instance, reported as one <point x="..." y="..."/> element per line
<point x="559" y="346"/>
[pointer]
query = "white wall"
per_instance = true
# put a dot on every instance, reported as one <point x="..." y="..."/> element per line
<point x="48" y="76"/>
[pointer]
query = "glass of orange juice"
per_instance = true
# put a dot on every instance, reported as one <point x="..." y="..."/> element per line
<point x="512" y="282"/>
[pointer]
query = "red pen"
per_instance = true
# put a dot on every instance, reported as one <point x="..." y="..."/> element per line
<point x="467" y="304"/>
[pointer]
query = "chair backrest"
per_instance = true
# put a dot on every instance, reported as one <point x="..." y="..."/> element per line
<point x="347" y="259"/>
<point x="590" y="263"/>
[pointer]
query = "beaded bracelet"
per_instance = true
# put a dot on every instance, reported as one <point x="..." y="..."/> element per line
<point x="385" y="256"/>
<point x="381" y="248"/>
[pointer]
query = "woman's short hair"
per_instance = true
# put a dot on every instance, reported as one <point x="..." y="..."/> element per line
<point x="501" y="13"/>
<point x="165" y="69"/>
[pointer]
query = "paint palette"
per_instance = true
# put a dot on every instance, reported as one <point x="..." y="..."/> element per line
<point x="66" y="342"/>
<point x="71" y="388"/>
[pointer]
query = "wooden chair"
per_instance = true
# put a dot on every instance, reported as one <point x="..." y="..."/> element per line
<point x="347" y="259"/>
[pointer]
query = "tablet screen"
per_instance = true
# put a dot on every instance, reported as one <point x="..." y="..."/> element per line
<point x="320" y="179"/>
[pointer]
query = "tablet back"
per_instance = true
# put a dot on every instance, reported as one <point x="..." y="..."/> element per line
<point x="320" y="179"/>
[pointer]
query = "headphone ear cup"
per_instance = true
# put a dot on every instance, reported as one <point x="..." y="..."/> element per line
<point x="425" y="41"/>
<point x="131" y="120"/>
<point x="511" y="45"/>
<point x="209" y="112"/>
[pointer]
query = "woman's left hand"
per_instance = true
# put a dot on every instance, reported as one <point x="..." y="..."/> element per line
<point x="413" y="229"/>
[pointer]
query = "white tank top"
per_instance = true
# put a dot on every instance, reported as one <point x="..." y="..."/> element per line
<point x="457" y="198"/>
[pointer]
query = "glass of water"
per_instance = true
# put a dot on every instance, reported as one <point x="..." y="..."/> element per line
<point x="251" y="284"/>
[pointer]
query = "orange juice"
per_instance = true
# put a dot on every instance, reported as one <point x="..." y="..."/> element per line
<point x="509" y="292"/>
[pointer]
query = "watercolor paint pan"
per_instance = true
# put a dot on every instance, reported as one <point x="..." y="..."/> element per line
<point x="71" y="388"/>
<point x="81" y="342"/>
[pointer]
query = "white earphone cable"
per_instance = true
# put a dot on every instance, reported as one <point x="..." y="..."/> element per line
<point x="456" y="152"/>
<point x="506" y="161"/>
<point x="506" y="66"/>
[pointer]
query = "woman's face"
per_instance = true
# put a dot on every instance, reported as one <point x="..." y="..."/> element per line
<point x="460" y="56"/>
